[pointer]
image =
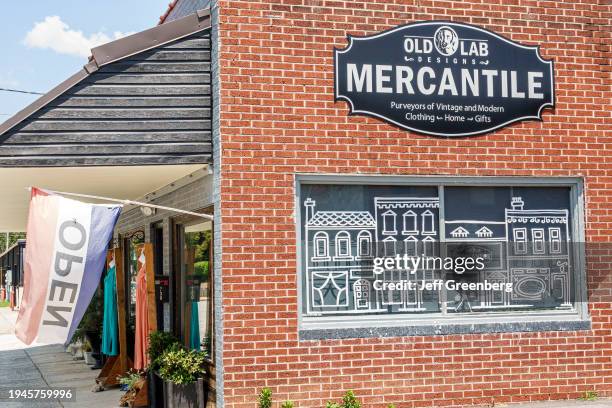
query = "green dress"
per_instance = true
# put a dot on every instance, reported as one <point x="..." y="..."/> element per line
<point x="194" y="338"/>
<point x="110" y="331"/>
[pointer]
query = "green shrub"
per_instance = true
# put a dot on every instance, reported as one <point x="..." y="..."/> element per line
<point x="129" y="379"/>
<point x="159" y="341"/>
<point x="589" y="396"/>
<point x="350" y="401"/>
<point x="181" y="366"/>
<point x="201" y="269"/>
<point x="264" y="400"/>
<point x="287" y="404"/>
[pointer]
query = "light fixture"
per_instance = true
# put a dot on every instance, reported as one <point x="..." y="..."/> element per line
<point x="147" y="211"/>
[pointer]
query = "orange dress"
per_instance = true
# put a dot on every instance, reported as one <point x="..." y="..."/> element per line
<point x="142" y="321"/>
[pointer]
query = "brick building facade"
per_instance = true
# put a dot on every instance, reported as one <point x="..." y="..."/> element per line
<point x="227" y="108"/>
<point x="278" y="119"/>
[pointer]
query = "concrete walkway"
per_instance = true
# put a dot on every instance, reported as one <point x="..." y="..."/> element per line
<point x="45" y="366"/>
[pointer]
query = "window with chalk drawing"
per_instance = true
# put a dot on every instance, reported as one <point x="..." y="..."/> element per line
<point x="521" y="234"/>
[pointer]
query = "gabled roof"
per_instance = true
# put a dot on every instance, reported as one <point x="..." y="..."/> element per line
<point x="460" y="231"/>
<point x="180" y="8"/>
<point x="484" y="231"/>
<point x="115" y="51"/>
<point x="340" y="219"/>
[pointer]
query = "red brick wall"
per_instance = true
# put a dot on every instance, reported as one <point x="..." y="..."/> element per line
<point x="278" y="118"/>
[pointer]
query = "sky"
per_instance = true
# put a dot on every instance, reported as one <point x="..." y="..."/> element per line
<point x="44" y="42"/>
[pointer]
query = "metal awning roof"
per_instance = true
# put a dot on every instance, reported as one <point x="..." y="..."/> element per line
<point x="115" y="51"/>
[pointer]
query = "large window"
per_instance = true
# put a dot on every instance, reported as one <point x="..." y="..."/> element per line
<point x="473" y="248"/>
<point x="194" y="239"/>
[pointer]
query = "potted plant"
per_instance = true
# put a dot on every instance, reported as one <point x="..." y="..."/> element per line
<point x="131" y="383"/>
<point x="76" y="347"/>
<point x="159" y="341"/>
<point x="91" y="326"/>
<point x="87" y="353"/>
<point x="182" y="371"/>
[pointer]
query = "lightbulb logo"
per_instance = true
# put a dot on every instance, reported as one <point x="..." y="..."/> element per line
<point x="446" y="41"/>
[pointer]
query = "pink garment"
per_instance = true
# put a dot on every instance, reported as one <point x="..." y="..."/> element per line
<point x="142" y="321"/>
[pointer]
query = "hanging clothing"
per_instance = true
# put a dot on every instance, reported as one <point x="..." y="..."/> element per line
<point x="194" y="332"/>
<point x="142" y="321"/>
<point x="110" y="328"/>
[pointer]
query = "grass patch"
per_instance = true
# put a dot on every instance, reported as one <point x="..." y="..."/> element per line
<point x="4" y="303"/>
<point x="589" y="396"/>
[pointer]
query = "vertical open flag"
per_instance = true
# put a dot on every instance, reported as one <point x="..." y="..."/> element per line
<point x="66" y="243"/>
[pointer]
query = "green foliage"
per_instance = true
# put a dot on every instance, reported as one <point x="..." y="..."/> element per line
<point x="287" y="404"/>
<point x="350" y="401"/>
<point x="12" y="240"/>
<point x="391" y="405"/>
<point x="159" y="341"/>
<point x="589" y="396"/>
<point x="181" y="366"/>
<point x="4" y="303"/>
<point x="92" y="319"/>
<point x="129" y="379"/>
<point x="200" y="240"/>
<point x="200" y="269"/>
<point x="264" y="400"/>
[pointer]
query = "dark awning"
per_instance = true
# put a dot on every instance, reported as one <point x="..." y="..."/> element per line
<point x="141" y="100"/>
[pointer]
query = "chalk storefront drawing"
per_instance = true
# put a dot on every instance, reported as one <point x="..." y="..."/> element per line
<point x="523" y="239"/>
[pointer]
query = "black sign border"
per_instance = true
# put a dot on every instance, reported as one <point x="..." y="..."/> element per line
<point x="352" y="112"/>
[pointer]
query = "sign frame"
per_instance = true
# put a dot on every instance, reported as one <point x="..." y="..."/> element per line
<point x="355" y="112"/>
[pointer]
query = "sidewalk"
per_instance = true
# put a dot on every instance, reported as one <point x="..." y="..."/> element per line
<point x="45" y="366"/>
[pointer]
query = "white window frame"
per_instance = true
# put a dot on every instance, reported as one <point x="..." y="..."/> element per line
<point x="387" y="231"/>
<point x="342" y="236"/>
<point x="554" y="242"/>
<point x="415" y="227"/>
<point x="320" y="236"/>
<point x="519" y="243"/>
<point x="425" y="216"/>
<point x="429" y="246"/>
<point x="414" y="243"/>
<point x="364" y="236"/>
<point x="537" y="236"/>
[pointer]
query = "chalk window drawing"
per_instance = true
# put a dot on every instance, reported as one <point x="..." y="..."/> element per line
<point x="410" y="223"/>
<point x="537" y="236"/>
<point x="321" y="246"/>
<point x="389" y="218"/>
<point x="484" y="232"/>
<point x="330" y="288"/>
<point x="389" y="246"/>
<point x="427" y="223"/>
<point x="554" y="235"/>
<point x="343" y="245"/>
<point x="429" y="246"/>
<point x="460" y="232"/>
<point x="361" y="294"/>
<point x="520" y="240"/>
<point x="411" y="246"/>
<point x="523" y="232"/>
<point x="364" y="244"/>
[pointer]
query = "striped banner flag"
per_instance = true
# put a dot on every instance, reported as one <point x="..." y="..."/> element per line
<point x="66" y="244"/>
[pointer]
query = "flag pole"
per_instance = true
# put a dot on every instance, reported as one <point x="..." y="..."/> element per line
<point x="128" y="202"/>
